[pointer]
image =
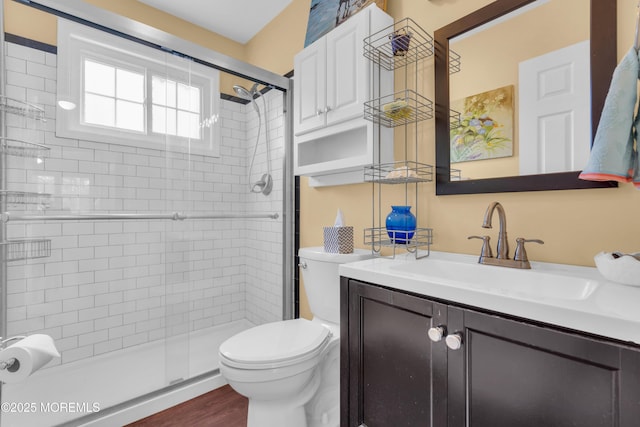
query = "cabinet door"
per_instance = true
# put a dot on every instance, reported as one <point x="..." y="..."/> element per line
<point x="387" y="359"/>
<point x="310" y="87"/>
<point x="347" y="70"/>
<point x="510" y="373"/>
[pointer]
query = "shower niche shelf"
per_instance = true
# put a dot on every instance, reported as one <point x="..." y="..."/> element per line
<point x="22" y="249"/>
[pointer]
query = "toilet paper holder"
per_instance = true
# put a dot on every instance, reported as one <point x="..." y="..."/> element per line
<point x="6" y="364"/>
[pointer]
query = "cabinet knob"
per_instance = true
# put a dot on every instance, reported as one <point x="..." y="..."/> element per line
<point x="302" y="264"/>
<point x="454" y="341"/>
<point x="436" y="333"/>
<point x="319" y="112"/>
<point x="327" y="109"/>
<point x="362" y="425"/>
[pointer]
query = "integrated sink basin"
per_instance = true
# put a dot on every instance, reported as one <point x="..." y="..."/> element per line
<point x="536" y="284"/>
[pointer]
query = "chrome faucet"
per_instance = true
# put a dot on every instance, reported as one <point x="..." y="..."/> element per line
<point x="520" y="259"/>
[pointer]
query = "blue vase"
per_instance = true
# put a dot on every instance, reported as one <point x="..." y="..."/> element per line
<point x="401" y="224"/>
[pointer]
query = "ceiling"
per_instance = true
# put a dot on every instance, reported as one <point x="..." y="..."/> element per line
<point x="237" y="20"/>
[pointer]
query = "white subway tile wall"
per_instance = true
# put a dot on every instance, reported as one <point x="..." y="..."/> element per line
<point x="109" y="285"/>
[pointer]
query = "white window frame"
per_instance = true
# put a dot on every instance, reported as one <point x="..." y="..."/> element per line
<point x="77" y="42"/>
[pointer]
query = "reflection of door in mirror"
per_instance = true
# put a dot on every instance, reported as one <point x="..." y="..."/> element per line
<point x="555" y="118"/>
<point x="491" y="57"/>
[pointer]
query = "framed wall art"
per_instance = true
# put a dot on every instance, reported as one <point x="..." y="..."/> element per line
<point x="325" y="15"/>
<point x="485" y="129"/>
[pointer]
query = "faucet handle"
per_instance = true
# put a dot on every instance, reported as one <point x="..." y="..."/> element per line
<point x="485" y="252"/>
<point x="521" y="253"/>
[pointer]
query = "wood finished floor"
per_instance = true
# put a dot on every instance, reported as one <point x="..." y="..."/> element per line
<point x="222" y="407"/>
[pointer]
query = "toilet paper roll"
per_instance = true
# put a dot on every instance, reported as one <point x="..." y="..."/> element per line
<point x="30" y="354"/>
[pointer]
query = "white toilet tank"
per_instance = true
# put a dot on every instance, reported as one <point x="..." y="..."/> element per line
<point x="322" y="279"/>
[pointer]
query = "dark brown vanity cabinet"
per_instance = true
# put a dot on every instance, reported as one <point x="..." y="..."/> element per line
<point x="387" y="358"/>
<point x="505" y="373"/>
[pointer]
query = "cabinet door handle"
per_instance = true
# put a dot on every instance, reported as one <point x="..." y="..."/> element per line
<point x="319" y="112"/>
<point x="454" y="341"/>
<point x="327" y="109"/>
<point x="302" y="264"/>
<point x="436" y="333"/>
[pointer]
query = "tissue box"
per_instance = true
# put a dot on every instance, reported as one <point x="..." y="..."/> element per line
<point x="338" y="239"/>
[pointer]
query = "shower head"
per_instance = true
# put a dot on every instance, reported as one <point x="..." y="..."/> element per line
<point x="243" y="93"/>
<point x="249" y="95"/>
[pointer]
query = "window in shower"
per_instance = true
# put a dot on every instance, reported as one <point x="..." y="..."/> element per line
<point x="129" y="93"/>
<point x="175" y="108"/>
<point x="113" y="96"/>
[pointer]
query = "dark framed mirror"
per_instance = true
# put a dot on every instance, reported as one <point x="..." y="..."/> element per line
<point x="602" y="54"/>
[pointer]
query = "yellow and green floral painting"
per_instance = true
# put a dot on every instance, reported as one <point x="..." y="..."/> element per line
<point x="485" y="130"/>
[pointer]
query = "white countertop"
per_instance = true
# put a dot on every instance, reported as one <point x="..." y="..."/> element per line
<point x="611" y="310"/>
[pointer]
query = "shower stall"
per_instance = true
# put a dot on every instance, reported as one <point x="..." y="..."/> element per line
<point x="137" y="261"/>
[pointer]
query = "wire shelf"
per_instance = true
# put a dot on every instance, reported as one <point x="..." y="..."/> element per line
<point x="379" y="237"/>
<point x="454" y="62"/>
<point x="454" y="119"/>
<point x="21" y="108"/>
<point x="398" y="109"/>
<point x="15" y="198"/>
<point x="399" y="44"/>
<point x="399" y="173"/>
<point x="27" y="249"/>
<point x="16" y="147"/>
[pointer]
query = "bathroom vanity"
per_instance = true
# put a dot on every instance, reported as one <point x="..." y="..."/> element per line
<point x="444" y="341"/>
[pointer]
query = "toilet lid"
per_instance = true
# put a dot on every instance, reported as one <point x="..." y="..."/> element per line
<point x="275" y="342"/>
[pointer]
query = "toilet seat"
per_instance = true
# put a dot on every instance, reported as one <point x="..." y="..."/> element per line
<point x="274" y="345"/>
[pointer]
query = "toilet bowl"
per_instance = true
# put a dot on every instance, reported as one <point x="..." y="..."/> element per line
<point x="290" y="370"/>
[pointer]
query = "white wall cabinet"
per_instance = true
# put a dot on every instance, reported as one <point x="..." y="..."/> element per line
<point x="332" y="80"/>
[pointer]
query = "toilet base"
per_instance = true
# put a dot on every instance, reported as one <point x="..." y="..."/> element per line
<point x="289" y="412"/>
<point x="272" y="414"/>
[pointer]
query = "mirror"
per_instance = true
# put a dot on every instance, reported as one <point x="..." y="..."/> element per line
<point x="602" y="53"/>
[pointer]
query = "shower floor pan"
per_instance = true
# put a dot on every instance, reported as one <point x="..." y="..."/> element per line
<point x="64" y="393"/>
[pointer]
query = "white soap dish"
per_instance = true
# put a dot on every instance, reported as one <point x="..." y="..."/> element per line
<point x="619" y="267"/>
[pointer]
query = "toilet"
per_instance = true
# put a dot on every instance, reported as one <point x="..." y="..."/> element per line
<point x="290" y="370"/>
